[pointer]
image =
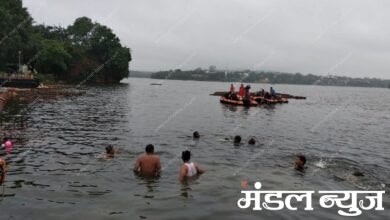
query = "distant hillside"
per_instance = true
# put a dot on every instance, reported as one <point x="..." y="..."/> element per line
<point x="140" y="74"/>
<point x="248" y="76"/>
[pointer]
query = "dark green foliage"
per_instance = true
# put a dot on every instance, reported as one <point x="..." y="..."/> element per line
<point x="83" y="50"/>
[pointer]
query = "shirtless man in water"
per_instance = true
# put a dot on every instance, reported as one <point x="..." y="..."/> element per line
<point x="148" y="164"/>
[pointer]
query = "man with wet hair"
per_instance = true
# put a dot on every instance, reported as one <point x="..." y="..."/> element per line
<point x="148" y="164"/>
<point x="110" y="151"/>
<point x="196" y="135"/>
<point x="299" y="162"/>
<point x="237" y="139"/>
<point x="188" y="169"/>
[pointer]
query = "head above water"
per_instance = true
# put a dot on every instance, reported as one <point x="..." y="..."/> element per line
<point x="252" y="141"/>
<point x="237" y="139"/>
<point x="186" y="155"/>
<point x="299" y="162"/>
<point x="110" y="149"/>
<point x="196" y="134"/>
<point x="149" y="149"/>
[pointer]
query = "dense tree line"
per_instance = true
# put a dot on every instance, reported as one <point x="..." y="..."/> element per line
<point x="247" y="76"/>
<point x="85" y="49"/>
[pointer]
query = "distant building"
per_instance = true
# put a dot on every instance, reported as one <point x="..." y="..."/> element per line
<point x="212" y="69"/>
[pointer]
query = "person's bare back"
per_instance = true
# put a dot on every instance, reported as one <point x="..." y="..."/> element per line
<point x="148" y="163"/>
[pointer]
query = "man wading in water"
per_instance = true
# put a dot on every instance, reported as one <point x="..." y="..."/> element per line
<point x="188" y="169"/>
<point x="148" y="164"/>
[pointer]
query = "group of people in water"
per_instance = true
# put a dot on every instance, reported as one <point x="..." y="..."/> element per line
<point x="244" y="94"/>
<point x="148" y="164"/>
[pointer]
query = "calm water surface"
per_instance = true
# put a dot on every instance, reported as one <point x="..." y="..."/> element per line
<point x="55" y="172"/>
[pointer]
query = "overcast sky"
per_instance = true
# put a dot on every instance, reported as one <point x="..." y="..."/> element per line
<point x="339" y="37"/>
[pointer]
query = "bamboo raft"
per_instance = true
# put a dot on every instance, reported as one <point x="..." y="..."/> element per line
<point x="281" y="95"/>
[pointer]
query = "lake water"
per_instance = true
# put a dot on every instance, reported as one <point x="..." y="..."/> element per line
<point x="55" y="173"/>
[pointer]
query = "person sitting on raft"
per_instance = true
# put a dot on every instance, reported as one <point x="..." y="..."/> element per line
<point x="232" y="96"/>
<point x="267" y="95"/>
<point x="260" y="93"/>
<point x="2" y="171"/>
<point x="188" y="169"/>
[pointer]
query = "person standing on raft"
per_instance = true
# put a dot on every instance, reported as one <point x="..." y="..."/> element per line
<point x="232" y="88"/>
<point x="247" y="96"/>
<point x="241" y="91"/>
<point x="272" y="92"/>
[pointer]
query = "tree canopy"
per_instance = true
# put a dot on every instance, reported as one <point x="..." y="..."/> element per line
<point x="84" y="49"/>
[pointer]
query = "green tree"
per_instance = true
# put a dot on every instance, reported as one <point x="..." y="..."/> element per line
<point x="53" y="59"/>
<point x="15" y="25"/>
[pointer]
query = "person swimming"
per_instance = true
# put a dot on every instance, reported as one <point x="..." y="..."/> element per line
<point x="188" y="169"/>
<point x="148" y="164"/>
<point x="7" y="144"/>
<point x="196" y="135"/>
<point x="299" y="162"/>
<point x="237" y="140"/>
<point x="252" y="141"/>
<point x="110" y="151"/>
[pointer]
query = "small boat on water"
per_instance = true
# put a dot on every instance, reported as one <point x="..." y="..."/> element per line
<point x="282" y="95"/>
<point x="236" y="102"/>
<point x="155" y="84"/>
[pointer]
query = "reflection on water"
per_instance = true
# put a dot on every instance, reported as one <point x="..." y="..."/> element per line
<point x="56" y="163"/>
<point x="151" y="182"/>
